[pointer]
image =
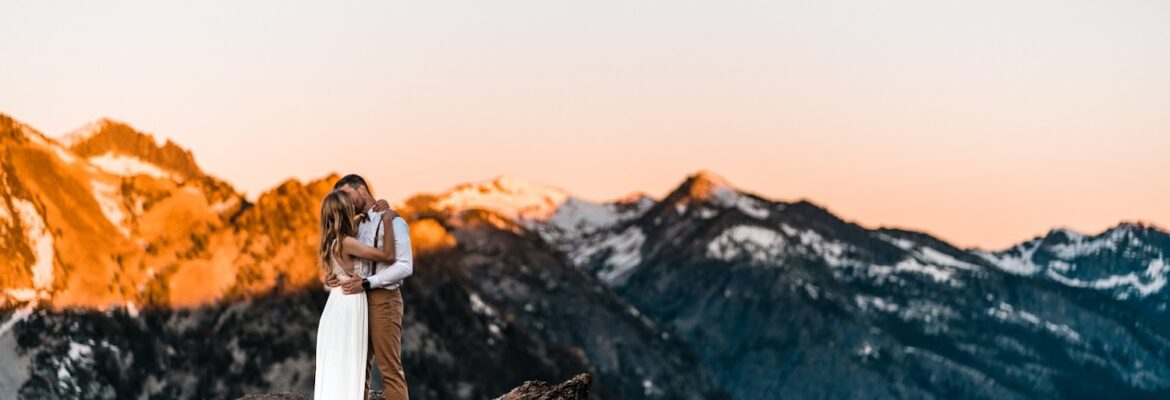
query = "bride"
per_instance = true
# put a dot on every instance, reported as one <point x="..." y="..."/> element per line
<point x="342" y="338"/>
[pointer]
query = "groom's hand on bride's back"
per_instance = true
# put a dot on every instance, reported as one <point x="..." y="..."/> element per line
<point x="352" y="286"/>
<point x="332" y="281"/>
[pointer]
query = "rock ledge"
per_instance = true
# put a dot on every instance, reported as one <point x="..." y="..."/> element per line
<point x="572" y="389"/>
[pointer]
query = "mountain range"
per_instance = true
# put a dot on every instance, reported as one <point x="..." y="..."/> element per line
<point x="131" y="273"/>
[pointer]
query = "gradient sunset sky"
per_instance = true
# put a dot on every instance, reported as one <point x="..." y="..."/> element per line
<point x="982" y="122"/>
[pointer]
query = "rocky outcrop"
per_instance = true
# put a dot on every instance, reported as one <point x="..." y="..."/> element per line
<point x="572" y="389"/>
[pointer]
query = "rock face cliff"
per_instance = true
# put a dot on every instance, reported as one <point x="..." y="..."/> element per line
<point x="110" y="217"/>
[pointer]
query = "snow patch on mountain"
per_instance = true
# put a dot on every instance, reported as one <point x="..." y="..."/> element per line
<point x="904" y="244"/>
<point x="64" y="155"/>
<point x="19" y="315"/>
<point x="928" y="255"/>
<point x="5" y="216"/>
<point x="79" y="359"/>
<point x="1080" y="245"/>
<point x="1061" y="266"/>
<point x="707" y="213"/>
<point x="934" y="272"/>
<point x="932" y="315"/>
<point x="132" y="308"/>
<point x="34" y="136"/>
<point x="725" y="196"/>
<point x="109" y="200"/>
<point x="933" y="256"/>
<point x="763" y="245"/>
<point x="813" y="244"/>
<point x="875" y="303"/>
<point x="913" y="266"/>
<point x="123" y="165"/>
<point x="622" y="252"/>
<point x="758" y="244"/>
<point x="39" y="239"/>
<point x="21" y="295"/>
<point x="223" y="206"/>
<point x="586" y="217"/>
<point x="45" y="143"/>
<point x="1006" y="312"/>
<point x="1017" y="260"/>
<point x="1150" y="281"/>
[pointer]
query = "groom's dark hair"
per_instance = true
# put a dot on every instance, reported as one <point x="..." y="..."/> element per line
<point x="351" y="180"/>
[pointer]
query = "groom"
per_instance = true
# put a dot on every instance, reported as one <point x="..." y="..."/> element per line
<point x="381" y="286"/>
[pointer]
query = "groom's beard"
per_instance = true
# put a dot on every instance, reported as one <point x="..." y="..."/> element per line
<point x="369" y="203"/>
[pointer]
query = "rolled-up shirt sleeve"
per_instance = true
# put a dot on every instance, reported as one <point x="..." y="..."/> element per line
<point x="403" y="258"/>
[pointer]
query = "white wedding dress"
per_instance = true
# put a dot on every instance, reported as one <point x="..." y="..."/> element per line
<point x="342" y="342"/>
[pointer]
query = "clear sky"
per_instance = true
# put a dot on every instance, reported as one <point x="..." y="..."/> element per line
<point x="982" y="122"/>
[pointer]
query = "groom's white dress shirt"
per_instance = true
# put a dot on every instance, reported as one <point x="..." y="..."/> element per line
<point x="385" y="275"/>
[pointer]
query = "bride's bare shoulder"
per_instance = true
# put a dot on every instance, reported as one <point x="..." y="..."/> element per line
<point x="350" y="241"/>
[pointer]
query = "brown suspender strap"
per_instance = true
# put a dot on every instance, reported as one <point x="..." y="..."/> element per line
<point x="374" y="264"/>
<point x="376" y="232"/>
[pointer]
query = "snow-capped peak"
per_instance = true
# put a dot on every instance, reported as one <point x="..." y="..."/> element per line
<point x="706" y="184"/>
<point x="1066" y="244"/>
<point x="86" y="131"/>
<point x="1067" y="256"/>
<point x="120" y="149"/>
<point x="1067" y="232"/>
<point x="510" y="197"/>
<point x="551" y="212"/>
<point x="707" y="192"/>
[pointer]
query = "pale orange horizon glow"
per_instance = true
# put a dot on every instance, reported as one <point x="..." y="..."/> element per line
<point x="984" y="124"/>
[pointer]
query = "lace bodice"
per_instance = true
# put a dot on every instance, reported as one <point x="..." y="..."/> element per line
<point x="359" y="269"/>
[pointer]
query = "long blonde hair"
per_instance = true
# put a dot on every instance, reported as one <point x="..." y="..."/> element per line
<point x="337" y="215"/>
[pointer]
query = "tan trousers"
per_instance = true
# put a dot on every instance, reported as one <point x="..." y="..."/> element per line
<point x="386" y="340"/>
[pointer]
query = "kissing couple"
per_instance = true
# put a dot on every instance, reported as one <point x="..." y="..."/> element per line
<point x="365" y="256"/>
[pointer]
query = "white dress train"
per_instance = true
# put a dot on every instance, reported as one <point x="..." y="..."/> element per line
<point x="342" y="342"/>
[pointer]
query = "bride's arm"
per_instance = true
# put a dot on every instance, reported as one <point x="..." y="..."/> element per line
<point x="355" y="248"/>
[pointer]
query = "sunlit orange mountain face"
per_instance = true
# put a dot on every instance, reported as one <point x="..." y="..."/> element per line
<point x="118" y="250"/>
<point x="108" y="216"/>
